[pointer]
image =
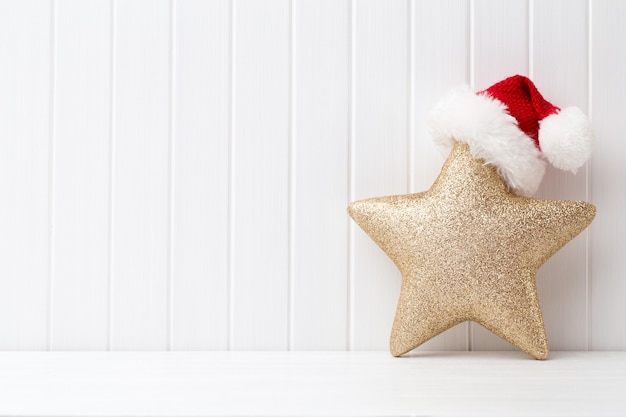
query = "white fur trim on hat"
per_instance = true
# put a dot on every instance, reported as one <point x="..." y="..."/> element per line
<point x="492" y="135"/>
<point x="566" y="138"/>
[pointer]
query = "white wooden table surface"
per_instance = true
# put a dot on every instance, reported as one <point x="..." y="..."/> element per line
<point x="311" y="384"/>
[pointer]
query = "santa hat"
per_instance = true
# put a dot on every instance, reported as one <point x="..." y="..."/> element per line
<point x="511" y="126"/>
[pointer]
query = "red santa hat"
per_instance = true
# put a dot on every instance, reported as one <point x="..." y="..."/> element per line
<point x="511" y="126"/>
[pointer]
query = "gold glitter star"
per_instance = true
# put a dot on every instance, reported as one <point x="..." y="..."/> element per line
<point x="468" y="249"/>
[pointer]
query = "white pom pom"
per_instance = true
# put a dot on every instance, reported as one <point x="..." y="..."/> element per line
<point x="566" y="139"/>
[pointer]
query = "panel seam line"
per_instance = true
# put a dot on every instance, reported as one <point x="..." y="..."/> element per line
<point x="531" y="39"/>
<point x="231" y="172"/>
<point x="111" y="180"/>
<point x="51" y="175"/>
<point x="171" y="175"/>
<point x="588" y="193"/>
<point x="350" y="325"/>
<point x="469" y="327"/>
<point x="291" y="181"/>
<point x="411" y="97"/>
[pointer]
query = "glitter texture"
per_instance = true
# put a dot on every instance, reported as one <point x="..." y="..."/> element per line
<point x="468" y="249"/>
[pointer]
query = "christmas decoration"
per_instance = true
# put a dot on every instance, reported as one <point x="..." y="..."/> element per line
<point x="511" y="126"/>
<point x="469" y="248"/>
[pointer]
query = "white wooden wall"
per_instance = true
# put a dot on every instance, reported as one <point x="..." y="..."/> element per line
<point x="174" y="173"/>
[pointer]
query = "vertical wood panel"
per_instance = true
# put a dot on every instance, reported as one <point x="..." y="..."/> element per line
<point x="54" y="288"/>
<point x="320" y="174"/>
<point x="608" y="175"/>
<point x="259" y="268"/>
<point x="25" y="72"/>
<point x="500" y="40"/>
<point x="200" y="239"/>
<point x="559" y="70"/>
<point x="140" y="175"/>
<point x="81" y="176"/>
<point x="437" y="67"/>
<point x="500" y="50"/>
<point x="380" y="156"/>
